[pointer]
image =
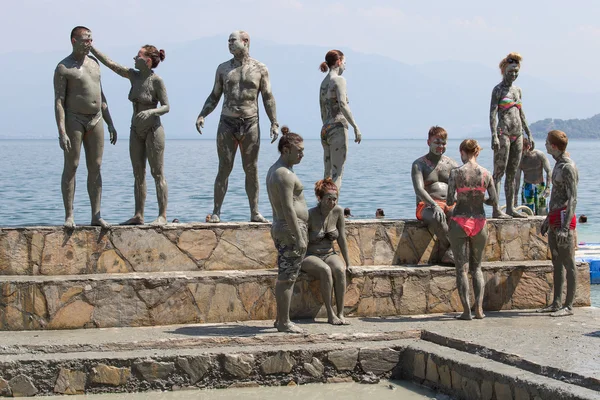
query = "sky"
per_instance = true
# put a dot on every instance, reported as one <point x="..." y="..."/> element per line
<point x="557" y="39"/>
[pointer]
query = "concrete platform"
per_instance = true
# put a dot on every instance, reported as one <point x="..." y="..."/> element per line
<point x="179" y="297"/>
<point x="521" y="353"/>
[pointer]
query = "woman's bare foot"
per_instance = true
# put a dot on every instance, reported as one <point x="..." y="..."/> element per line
<point x="159" y="221"/>
<point x="258" y="218"/>
<point x="289" y="327"/>
<point x="549" y="309"/>
<point x="516" y="214"/>
<point x="563" y="312"/>
<point x="479" y="313"/>
<point x="465" y="316"/>
<point x="333" y="320"/>
<point x="343" y="319"/>
<point x="136" y="220"/>
<point x="214" y="219"/>
<point x="101" y="223"/>
<point x="500" y="214"/>
<point x="69" y="223"/>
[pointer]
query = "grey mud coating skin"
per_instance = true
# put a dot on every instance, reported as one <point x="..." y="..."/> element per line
<point x="561" y="238"/>
<point x="289" y="232"/>
<point x="240" y="80"/>
<point x="335" y="115"/>
<point x="466" y="187"/>
<point x="534" y="164"/>
<point x="507" y="135"/>
<point x="147" y="135"/>
<point x="325" y="221"/>
<point x="430" y="174"/>
<point x="80" y="107"/>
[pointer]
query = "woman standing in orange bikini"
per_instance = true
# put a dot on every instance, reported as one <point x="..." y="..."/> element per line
<point x="467" y="229"/>
<point x="507" y="135"/>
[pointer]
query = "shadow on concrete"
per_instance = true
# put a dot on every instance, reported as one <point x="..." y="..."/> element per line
<point x="223" y="330"/>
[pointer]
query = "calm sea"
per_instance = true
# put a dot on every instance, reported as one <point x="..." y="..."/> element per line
<point x="377" y="175"/>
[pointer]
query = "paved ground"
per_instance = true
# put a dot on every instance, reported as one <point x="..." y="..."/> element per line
<point x="570" y="344"/>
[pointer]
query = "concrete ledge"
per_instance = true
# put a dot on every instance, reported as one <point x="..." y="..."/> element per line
<point x="234" y="246"/>
<point x="146" y="299"/>
<point x="463" y="375"/>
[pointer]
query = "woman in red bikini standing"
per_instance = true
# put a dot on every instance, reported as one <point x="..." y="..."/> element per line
<point x="467" y="230"/>
<point x="507" y="135"/>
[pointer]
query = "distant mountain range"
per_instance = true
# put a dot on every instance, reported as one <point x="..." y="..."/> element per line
<point x="575" y="128"/>
<point x="389" y="99"/>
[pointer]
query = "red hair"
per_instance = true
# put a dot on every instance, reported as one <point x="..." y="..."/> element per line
<point x="323" y="186"/>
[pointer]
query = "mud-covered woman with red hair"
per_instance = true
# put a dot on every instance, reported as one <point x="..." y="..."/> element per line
<point x="326" y="224"/>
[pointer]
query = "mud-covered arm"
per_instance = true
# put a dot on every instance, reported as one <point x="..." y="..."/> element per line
<point x="419" y="185"/>
<point x="451" y="195"/>
<point x="60" y="93"/>
<point x="115" y="67"/>
<point x="213" y="98"/>
<point x="341" y="227"/>
<point x="524" y="120"/>
<point x="494" y="112"/>
<point x="547" y="170"/>
<point x="285" y="190"/>
<point x="569" y="177"/>
<point x="108" y="119"/>
<point x="492" y="199"/>
<point x="161" y="95"/>
<point x="342" y="97"/>
<point x="267" y="96"/>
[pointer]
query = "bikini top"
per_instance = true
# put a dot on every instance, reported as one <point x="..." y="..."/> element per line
<point x="315" y="237"/>
<point x="480" y="189"/>
<point x="143" y="95"/>
<point x="507" y="103"/>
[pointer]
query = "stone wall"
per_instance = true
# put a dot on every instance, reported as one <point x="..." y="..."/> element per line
<point x="146" y="299"/>
<point x="235" y="246"/>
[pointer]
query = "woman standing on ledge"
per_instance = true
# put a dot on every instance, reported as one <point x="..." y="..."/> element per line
<point x="468" y="231"/>
<point x="335" y="114"/>
<point x="325" y="224"/>
<point x="147" y="135"/>
<point x="507" y="136"/>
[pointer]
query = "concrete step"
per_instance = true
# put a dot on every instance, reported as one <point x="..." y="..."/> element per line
<point x="164" y="298"/>
<point x="252" y="353"/>
<point x="234" y="246"/>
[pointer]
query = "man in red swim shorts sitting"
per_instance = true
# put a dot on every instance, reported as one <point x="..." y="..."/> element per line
<point x="430" y="175"/>
<point x="561" y="222"/>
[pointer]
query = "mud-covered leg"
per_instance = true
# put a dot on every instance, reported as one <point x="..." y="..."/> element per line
<point x="155" y="148"/>
<point x="566" y="256"/>
<point x="226" y="149"/>
<point x="338" y="142"/>
<point x="500" y="163"/>
<point x="93" y="144"/>
<point x="71" y="162"/>
<point x="459" y="243"/>
<point x="477" y="246"/>
<point x="318" y="269"/>
<point x="514" y="159"/>
<point x="249" y="148"/>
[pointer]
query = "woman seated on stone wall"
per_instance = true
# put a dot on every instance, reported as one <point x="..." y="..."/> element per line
<point x="326" y="224"/>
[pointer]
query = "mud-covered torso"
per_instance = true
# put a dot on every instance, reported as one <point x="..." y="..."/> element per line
<point x="470" y="183"/>
<point x="83" y="90"/>
<point x="143" y="96"/>
<point x="241" y="85"/>
<point x="509" y="112"/>
<point x="275" y="176"/>
<point x="435" y="175"/>
<point x="532" y="165"/>
<point x="331" y="110"/>
<point x="322" y="230"/>
<point x="565" y="176"/>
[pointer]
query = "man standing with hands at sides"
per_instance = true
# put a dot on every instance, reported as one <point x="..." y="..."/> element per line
<point x="534" y="191"/>
<point x="240" y="79"/>
<point x="289" y="230"/>
<point x="561" y="222"/>
<point x="80" y="106"/>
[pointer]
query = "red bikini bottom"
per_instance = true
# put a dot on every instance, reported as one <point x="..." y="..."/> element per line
<point x="471" y="226"/>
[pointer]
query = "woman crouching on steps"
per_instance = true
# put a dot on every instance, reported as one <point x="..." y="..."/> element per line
<point x="325" y="225"/>
<point x="467" y="229"/>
